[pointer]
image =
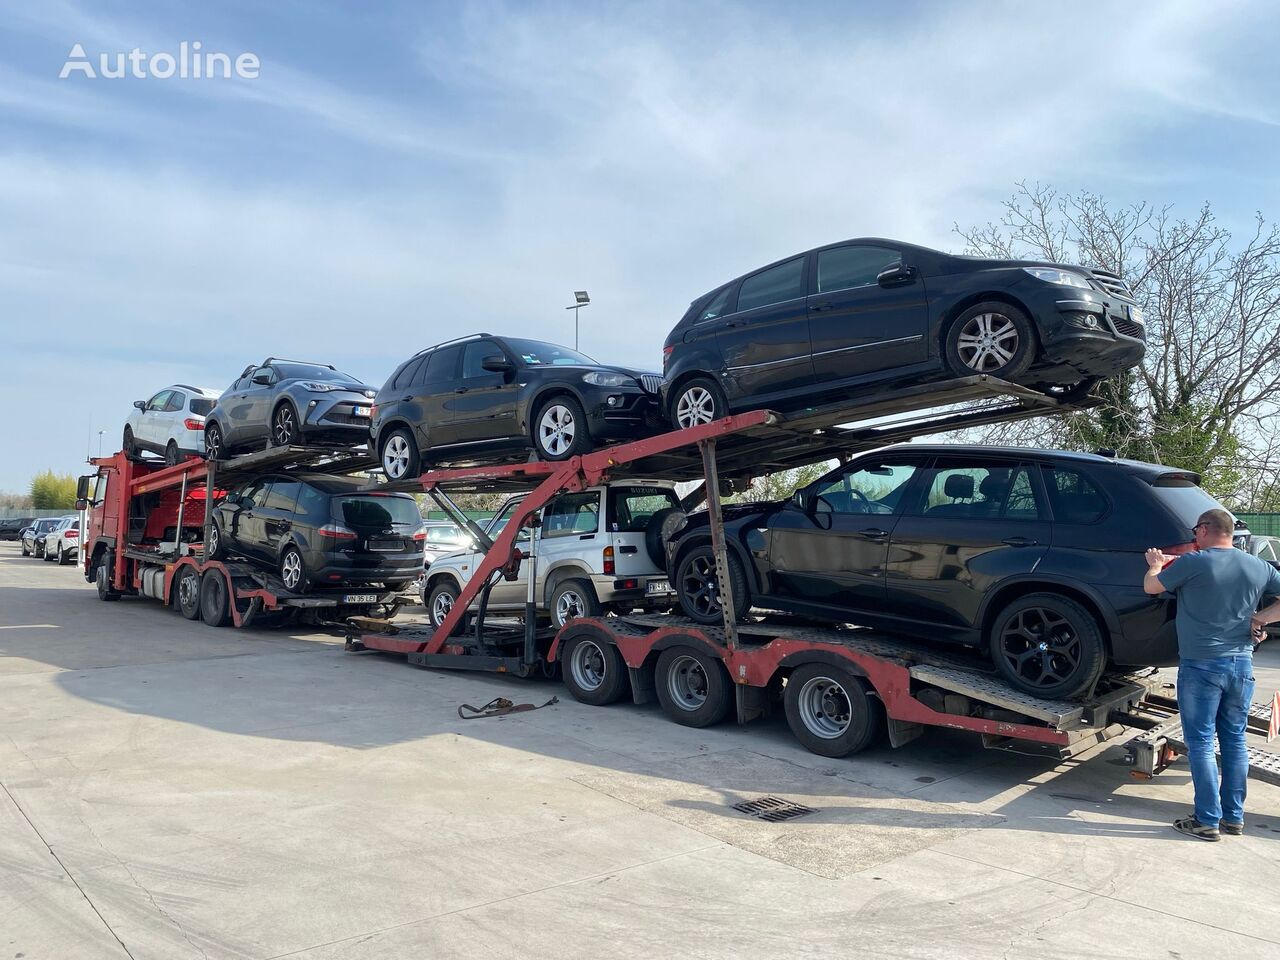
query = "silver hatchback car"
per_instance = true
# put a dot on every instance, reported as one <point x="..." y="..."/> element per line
<point x="171" y="423"/>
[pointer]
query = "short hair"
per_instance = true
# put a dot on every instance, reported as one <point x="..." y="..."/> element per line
<point x="1219" y="522"/>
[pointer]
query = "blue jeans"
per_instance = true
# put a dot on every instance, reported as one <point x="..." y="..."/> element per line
<point x="1214" y="696"/>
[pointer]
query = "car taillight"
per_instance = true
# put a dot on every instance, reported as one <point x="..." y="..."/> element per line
<point x="666" y="355"/>
<point x="373" y="411"/>
<point x="1178" y="550"/>
<point x="608" y="560"/>
<point x="191" y="423"/>
<point x="71" y="535"/>
<point x="421" y="534"/>
<point x="337" y="531"/>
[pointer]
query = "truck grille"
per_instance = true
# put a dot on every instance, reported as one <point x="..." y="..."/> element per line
<point x="651" y="382"/>
<point x="1112" y="283"/>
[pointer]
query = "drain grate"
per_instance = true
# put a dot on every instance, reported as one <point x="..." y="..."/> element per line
<point x="773" y="809"/>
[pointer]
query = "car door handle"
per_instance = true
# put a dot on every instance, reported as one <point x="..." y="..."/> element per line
<point x="873" y="533"/>
<point x="1019" y="542"/>
<point x="461" y="390"/>
<point x="819" y="307"/>
<point x="735" y="323"/>
<point x="408" y="396"/>
<point x="631" y="548"/>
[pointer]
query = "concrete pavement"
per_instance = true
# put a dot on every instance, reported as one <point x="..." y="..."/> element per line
<point x="171" y="791"/>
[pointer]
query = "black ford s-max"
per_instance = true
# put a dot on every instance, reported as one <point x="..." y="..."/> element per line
<point x="860" y="315"/>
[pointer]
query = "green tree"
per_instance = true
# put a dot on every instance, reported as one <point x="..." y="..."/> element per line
<point x="779" y="486"/>
<point x="53" y="491"/>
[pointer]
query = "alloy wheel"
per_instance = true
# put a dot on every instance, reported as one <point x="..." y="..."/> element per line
<point x="696" y="406"/>
<point x="557" y="430"/>
<point x="570" y="605"/>
<point x="587" y="664"/>
<point x="698" y="583"/>
<point x="824" y="708"/>
<point x="687" y="683"/>
<point x="213" y="443"/>
<point x="440" y="608"/>
<point x="291" y="569"/>
<point x="395" y="457"/>
<point x="1041" y="646"/>
<point x="284" y="429"/>
<point x="988" y="342"/>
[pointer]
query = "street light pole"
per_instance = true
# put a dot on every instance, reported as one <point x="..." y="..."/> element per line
<point x="580" y="300"/>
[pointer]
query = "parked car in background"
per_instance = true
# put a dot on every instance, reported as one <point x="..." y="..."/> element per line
<point x="486" y="398"/>
<point x="855" y="315"/>
<point x="442" y="539"/>
<point x="33" y="536"/>
<point x="317" y="530"/>
<point x="1035" y="556"/>
<point x="62" y="541"/>
<point x="11" y="528"/>
<point x="171" y="423"/>
<point x="1264" y="548"/>
<point x="600" y="550"/>
<point x="284" y="402"/>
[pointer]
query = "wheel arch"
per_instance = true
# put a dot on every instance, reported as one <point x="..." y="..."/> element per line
<point x="396" y="420"/>
<point x="700" y="537"/>
<point x="549" y="391"/>
<point x="567" y="569"/>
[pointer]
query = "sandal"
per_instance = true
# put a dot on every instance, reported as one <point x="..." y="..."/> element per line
<point x="1194" y="828"/>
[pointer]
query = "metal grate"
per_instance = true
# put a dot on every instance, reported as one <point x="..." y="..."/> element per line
<point x="651" y="383"/>
<point x="1127" y="328"/>
<point x="773" y="809"/>
<point x="1112" y="283"/>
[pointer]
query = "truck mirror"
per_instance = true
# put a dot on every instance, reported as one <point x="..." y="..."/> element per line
<point x="82" y="489"/>
<point x="82" y="504"/>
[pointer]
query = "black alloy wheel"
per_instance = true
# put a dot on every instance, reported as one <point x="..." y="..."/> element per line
<point x="1048" y="645"/>
<point x="697" y="586"/>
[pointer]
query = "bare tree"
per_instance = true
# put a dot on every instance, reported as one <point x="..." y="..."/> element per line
<point x="1208" y="384"/>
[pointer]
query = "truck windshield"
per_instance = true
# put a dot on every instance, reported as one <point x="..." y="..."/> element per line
<point x="380" y="512"/>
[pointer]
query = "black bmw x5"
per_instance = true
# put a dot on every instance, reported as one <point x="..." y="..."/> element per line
<point x="863" y="314"/>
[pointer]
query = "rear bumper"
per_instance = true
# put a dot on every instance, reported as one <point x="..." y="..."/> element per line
<point x="1147" y="636"/>
<point x="611" y="589"/>
<point x="363" y="570"/>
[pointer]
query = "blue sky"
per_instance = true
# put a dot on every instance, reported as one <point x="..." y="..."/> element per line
<point x="399" y="174"/>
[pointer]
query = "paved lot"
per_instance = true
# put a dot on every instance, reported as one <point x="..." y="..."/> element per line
<point x="174" y="791"/>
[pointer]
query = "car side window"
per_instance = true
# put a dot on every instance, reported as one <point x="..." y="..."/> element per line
<point x="572" y="513"/>
<point x="717" y="307"/>
<point x="259" y="493"/>
<point x="441" y="366"/>
<point x="269" y="371"/>
<point x="177" y="400"/>
<point x="870" y="488"/>
<point x="970" y="490"/>
<point x="406" y="374"/>
<point x="311" y="502"/>
<point x="1073" y="496"/>
<point x="283" y="495"/>
<point x="775" y="285"/>
<point x="500" y="521"/>
<point x="156" y="403"/>
<point x="844" y="267"/>
<point x="473" y="357"/>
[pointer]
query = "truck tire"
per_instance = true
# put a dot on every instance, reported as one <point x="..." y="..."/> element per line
<point x="102" y="577"/>
<point x="572" y="599"/>
<point x="186" y="593"/>
<point x="692" y="687"/>
<point x="830" y="711"/>
<point x="215" y="601"/>
<point x="593" y="668"/>
<point x="1048" y="645"/>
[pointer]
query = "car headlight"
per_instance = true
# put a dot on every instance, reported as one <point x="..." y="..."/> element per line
<point x="601" y="379"/>
<point x="320" y="387"/>
<point x="1061" y="277"/>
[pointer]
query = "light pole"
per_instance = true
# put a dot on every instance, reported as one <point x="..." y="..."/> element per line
<point x="100" y="433"/>
<point x="581" y="300"/>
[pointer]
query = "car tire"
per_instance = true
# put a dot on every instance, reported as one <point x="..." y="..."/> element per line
<point x="831" y="711"/>
<point x="571" y="600"/>
<point x="559" y="429"/>
<point x="25" y="551"/>
<point x="171" y="455"/>
<point x="696" y="587"/>
<point x="128" y="444"/>
<point x="992" y="338"/>
<point x="658" y="533"/>
<point x="186" y="593"/>
<point x="693" y="687"/>
<point x="285" y="429"/>
<point x="214" y="443"/>
<point x="102" y="577"/>
<point x="696" y="402"/>
<point x="592" y="669"/>
<point x="293" y="570"/>
<point x="441" y="600"/>
<point x="1048" y="645"/>
<point x="63" y="557"/>
<point x="39" y="552"/>
<point x="215" y="599"/>
<point x="215" y="549"/>
<point x="399" y="455"/>
<point x="47" y="555"/>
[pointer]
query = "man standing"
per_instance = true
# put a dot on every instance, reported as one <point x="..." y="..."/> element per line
<point x="1218" y="588"/>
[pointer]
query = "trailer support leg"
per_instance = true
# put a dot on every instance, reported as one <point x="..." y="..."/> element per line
<point x="724" y="585"/>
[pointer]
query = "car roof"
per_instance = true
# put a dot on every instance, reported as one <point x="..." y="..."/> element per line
<point x="203" y="391"/>
<point x="1039" y="453"/>
<point x="327" y="483"/>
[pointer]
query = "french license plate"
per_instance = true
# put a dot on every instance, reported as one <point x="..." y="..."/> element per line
<point x="657" y="586"/>
<point x="361" y="411"/>
<point x="360" y="598"/>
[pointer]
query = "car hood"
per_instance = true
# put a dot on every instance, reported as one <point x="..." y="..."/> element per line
<point x="606" y="367"/>
<point x="986" y="263"/>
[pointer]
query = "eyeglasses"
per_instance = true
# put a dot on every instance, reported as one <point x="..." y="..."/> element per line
<point x="1196" y="528"/>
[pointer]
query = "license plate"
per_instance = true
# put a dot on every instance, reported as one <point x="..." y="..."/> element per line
<point x="387" y="544"/>
<point x="360" y="598"/>
<point x="658" y="586"/>
<point x="1136" y="315"/>
<point x="361" y="411"/>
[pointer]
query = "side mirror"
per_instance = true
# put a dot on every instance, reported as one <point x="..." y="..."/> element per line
<point x="497" y="364"/>
<point x="894" y="274"/>
<point x="262" y="379"/>
<point x="799" y="499"/>
<point x="82" y="489"/>
<point x="823" y="512"/>
<point x="140" y="404"/>
<point x="82" y="504"/>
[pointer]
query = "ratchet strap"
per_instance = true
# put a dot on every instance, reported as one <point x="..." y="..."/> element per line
<point x="500" y="707"/>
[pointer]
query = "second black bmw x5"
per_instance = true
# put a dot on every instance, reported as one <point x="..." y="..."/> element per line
<point x="857" y="315"/>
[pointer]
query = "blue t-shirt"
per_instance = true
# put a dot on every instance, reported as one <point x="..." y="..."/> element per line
<point x="1218" y="590"/>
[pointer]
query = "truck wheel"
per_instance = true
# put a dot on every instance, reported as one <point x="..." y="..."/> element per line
<point x="594" y="670"/>
<point x="830" y="711"/>
<point x="215" y="603"/>
<point x="572" y="599"/>
<point x="187" y="593"/>
<point x="102" y="578"/>
<point x="692" y="687"/>
<point x="1048" y="645"/>
<point x="699" y="592"/>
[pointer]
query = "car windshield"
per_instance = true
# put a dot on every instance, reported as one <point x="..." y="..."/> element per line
<point x="44" y="526"/>
<point x="312" y="371"/>
<point x="538" y="354"/>
<point x="200" y="406"/>
<point x="377" y="511"/>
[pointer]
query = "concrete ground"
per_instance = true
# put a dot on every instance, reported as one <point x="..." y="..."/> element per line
<point x="173" y="791"/>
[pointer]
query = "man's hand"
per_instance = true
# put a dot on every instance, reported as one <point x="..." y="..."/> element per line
<point x="1156" y="559"/>
<point x="1259" y="628"/>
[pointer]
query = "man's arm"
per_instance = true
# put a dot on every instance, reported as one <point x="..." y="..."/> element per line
<point x="1155" y="565"/>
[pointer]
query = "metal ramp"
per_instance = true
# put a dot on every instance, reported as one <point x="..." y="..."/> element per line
<point x="1155" y="749"/>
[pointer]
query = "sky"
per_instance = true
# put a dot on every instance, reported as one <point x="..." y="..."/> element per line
<point x="398" y="174"/>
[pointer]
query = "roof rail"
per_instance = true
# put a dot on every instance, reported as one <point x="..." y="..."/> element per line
<point x="469" y="336"/>
<point x="187" y="386"/>
<point x="310" y="363"/>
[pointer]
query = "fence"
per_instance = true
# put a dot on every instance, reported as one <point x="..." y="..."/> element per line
<point x="7" y="512"/>
<point x="1264" y="524"/>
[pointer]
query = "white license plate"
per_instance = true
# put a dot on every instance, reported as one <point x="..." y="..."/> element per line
<point x="360" y="598"/>
<point x="362" y="411"/>
<point x="657" y="586"/>
<point x="1136" y="315"/>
